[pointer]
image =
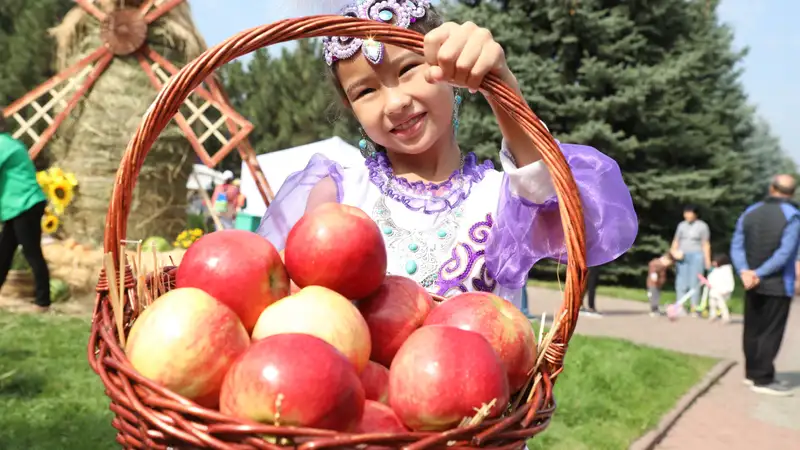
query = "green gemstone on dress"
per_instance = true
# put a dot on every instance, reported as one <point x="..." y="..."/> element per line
<point x="379" y="211"/>
<point x="441" y="233"/>
<point x="387" y="231"/>
<point x="458" y="213"/>
<point x="411" y="267"/>
<point x="413" y="247"/>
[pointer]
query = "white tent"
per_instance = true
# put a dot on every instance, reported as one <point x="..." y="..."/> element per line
<point x="207" y="177"/>
<point x="278" y="166"/>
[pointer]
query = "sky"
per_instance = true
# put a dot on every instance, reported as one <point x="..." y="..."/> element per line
<point x="767" y="27"/>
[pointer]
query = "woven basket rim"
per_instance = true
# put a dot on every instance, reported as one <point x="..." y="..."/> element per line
<point x="148" y="415"/>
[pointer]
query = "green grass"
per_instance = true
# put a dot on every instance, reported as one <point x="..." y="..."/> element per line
<point x="735" y="304"/>
<point x="610" y="393"/>
<point x="49" y="397"/>
<point x="613" y="391"/>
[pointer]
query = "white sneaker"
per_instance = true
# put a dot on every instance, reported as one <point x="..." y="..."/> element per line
<point x="775" y="389"/>
<point x="590" y="313"/>
<point x="749" y="382"/>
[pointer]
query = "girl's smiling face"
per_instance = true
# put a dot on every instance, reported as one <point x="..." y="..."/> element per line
<point x="397" y="107"/>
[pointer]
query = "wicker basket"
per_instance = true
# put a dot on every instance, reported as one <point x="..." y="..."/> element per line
<point x="149" y="416"/>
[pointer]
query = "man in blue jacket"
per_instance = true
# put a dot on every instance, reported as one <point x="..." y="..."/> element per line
<point x="763" y="250"/>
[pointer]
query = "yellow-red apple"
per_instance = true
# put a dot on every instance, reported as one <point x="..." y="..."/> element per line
<point x="186" y="341"/>
<point x="320" y="312"/>
<point x="442" y="374"/>
<point x="239" y="268"/>
<point x="294" y="379"/>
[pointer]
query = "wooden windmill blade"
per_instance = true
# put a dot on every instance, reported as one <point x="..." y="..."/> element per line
<point x="207" y="99"/>
<point x="64" y="90"/>
<point x="123" y="32"/>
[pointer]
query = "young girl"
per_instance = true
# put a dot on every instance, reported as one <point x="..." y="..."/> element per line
<point x="450" y="222"/>
<point x="721" y="284"/>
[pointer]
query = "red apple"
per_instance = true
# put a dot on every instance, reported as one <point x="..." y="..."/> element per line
<point x="338" y="247"/>
<point x="320" y="312"/>
<point x="239" y="268"/>
<point x="375" y="379"/>
<point x="379" y="418"/>
<point x="185" y="341"/>
<point x="293" y="288"/>
<point x="399" y="307"/>
<point x="500" y="322"/>
<point x="442" y="374"/>
<point x="294" y="380"/>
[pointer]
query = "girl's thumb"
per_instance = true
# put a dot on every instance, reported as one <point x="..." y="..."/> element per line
<point x="433" y="74"/>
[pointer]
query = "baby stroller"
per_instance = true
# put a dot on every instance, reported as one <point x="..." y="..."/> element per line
<point x="677" y="309"/>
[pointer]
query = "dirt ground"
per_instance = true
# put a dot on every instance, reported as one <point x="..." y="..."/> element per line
<point x="79" y="266"/>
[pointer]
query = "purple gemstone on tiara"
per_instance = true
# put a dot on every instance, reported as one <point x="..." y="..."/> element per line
<point x="401" y="13"/>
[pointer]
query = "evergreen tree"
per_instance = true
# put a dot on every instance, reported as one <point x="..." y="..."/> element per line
<point x="290" y="98"/>
<point x="652" y="83"/>
<point x="26" y="49"/>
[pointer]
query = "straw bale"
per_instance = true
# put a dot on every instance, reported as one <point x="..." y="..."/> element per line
<point x="92" y="140"/>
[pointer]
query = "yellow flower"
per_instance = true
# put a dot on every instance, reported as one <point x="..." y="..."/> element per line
<point x="61" y="194"/>
<point x="56" y="172"/>
<point x="70" y="177"/>
<point x="43" y="179"/>
<point x="49" y="223"/>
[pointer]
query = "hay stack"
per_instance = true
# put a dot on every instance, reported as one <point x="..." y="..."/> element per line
<point x="80" y="265"/>
<point x="92" y="141"/>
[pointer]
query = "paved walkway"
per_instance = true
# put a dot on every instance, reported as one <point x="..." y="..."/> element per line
<point x="729" y="416"/>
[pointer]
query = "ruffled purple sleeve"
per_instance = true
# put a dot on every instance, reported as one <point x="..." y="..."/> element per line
<point x="526" y="232"/>
<point x="295" y="194"/>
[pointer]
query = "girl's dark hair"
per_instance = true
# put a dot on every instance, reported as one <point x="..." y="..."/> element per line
<point x="721" y="259"/>
<point x="424" y="25"/>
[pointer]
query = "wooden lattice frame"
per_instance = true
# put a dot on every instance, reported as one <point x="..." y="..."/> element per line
<point x="52" y="101"/>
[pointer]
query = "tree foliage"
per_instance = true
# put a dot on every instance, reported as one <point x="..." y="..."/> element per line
<point x="653" y="84"/>
<point x="26" y="49"/>
<point x="290" y="98"/>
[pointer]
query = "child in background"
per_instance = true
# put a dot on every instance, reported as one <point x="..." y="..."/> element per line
<point x="720" y="287"/>
<point x="656" y="277"/>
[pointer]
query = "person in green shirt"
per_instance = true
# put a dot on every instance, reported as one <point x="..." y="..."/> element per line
<point x="22" y="205"/>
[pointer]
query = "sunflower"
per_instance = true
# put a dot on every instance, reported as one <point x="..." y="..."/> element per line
<point x="43" y="179"/>
<point x="49" y="223"/>
<point x="61" y="194"/>
<point x="70" y="177"/>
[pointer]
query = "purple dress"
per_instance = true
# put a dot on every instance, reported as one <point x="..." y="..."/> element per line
<point x="480" y="230"/>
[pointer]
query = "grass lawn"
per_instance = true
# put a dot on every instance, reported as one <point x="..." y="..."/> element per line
<point x="736" y="303"/>
<point x="611" y="392"/>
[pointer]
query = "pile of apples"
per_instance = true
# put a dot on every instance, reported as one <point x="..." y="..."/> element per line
<point x="324" y="338"/>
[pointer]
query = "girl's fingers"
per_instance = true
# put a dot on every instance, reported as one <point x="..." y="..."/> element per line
<point x="434" y="74"/>
<point x="433" y="42"/>
<point x="450" y="51"/>
<point x="470" y="55"/>
<point x="490" y="58"/>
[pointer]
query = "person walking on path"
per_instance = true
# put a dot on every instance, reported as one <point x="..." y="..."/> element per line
<point x="22" y="205"/>
<point x="764" y="249"/>
<point x="592" y="281"/>
<point x="691" y="249"/>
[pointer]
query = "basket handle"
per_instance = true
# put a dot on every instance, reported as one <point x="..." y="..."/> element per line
<point x="181" y="85"/>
